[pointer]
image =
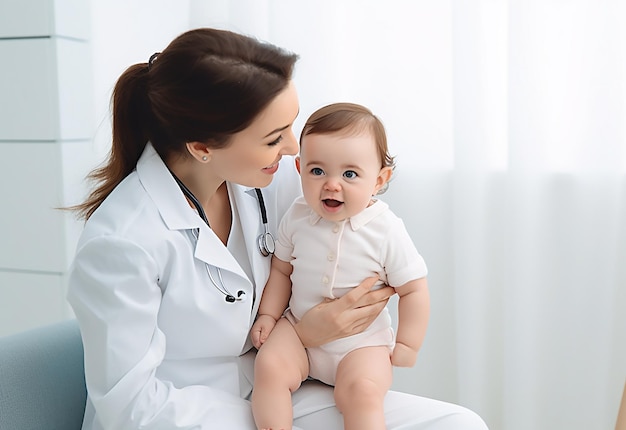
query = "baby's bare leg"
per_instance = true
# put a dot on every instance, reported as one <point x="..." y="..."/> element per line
<point x="363" y="379"/>
<point x="280" y="366"/>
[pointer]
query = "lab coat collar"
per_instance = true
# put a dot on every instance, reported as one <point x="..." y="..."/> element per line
<point x="178" y="215"/>
<point x="359" y="220"/>
<point x="165" y="192"/>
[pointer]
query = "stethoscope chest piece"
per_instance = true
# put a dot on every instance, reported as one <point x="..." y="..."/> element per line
<point x="266" y="244"/>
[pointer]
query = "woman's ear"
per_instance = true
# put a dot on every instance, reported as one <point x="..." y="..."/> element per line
<point x="199" y="151"/>
<point x="383" y="177"/>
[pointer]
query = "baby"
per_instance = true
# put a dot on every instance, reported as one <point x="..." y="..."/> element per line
<point x="329" y="241"/>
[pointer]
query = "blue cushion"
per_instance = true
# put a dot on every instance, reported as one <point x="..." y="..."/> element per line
<point x="42" y="382"/>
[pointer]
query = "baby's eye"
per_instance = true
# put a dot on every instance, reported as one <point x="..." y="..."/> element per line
<point x="317" y="171"/>
<point x="350" y="174"/>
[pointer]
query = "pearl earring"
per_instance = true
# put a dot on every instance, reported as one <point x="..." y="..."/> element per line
<point x="204" y="158"/>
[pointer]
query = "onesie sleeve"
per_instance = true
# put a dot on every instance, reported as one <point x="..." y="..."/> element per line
<point x="402" y="261"/>
<point x="284" y="244"/>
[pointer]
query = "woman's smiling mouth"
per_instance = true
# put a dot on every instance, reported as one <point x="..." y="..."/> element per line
<point x="271" y="169"/>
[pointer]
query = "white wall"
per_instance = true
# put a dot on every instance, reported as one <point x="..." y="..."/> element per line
<point x="124" y="33"/>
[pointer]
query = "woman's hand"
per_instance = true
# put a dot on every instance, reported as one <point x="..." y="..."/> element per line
<point x="348" y="315"/>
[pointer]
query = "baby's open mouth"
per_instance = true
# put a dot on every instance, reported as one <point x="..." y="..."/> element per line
<point x="332" y="203"/>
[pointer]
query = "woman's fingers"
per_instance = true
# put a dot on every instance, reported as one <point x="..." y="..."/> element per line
<point x="374" y="297"/>
<point x="355" y="297"/>
<point x="363" y="316"/>
<point x="362" y="295"/>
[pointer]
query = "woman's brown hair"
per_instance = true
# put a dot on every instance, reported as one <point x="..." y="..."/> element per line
<point x="205" y="86"/>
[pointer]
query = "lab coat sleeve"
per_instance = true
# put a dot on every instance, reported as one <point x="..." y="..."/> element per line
<point x="114" y="292"/>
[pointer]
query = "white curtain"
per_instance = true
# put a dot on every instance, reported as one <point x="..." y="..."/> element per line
<point x="508" y="122"/>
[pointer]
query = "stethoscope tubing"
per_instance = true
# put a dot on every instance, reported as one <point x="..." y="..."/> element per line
<point x="265" y="241"/>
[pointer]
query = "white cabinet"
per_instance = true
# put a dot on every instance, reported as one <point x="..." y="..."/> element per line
<point x="30" y="300"/>
<point x="28" y="84"/>
<point x="45" y="140"/>
<point x="36" y="18"/>
<point x="38" y="178"/>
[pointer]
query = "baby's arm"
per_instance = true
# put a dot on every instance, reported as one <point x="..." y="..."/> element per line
<point x="273" y="302"/>
<point x="413" y="314"/>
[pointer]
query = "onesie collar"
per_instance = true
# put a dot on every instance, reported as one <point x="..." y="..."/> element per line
<point x="359" y="220"/>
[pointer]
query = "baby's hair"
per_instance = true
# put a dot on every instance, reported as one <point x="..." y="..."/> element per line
<point x="349" y="118"/>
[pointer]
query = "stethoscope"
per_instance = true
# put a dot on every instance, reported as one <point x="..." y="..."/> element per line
<point x="265" y="241"/>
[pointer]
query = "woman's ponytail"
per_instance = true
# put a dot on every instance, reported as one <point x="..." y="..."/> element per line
<point x="131" y="125"/>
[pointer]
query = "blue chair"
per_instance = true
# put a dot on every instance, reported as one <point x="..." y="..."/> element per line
<point x="42" y="381"/>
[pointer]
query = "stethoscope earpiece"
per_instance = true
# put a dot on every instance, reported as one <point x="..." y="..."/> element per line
<point x="241" y="296"/>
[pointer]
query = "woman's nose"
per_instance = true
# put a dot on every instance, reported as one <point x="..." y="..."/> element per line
<point x="290" y="144"/>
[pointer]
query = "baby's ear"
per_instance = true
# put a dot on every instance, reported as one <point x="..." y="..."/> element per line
<point x="298" y="163"/>
<point x="383" y="177"/>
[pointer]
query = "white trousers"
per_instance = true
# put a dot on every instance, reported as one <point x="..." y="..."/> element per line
<point x="314" y="409"/>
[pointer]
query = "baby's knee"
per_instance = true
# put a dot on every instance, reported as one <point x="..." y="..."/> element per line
<point x="270" y="361"/>
<point x="361" y="392"/>
<point x="275" y="368"/>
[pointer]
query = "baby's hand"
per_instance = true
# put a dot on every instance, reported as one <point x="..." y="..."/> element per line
<point x="261" y="329"/>
<point x="403" y="356"/>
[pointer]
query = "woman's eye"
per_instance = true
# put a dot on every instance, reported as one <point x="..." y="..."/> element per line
<point x="350" y="174"/>
<point x="317" y="171"/>
<point x="277" y="141"/>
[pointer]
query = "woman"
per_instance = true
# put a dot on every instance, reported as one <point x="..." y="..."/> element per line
<point x="172" y="262"/>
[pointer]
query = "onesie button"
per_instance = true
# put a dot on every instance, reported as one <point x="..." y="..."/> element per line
<point x="335" y="228"/>
<point x="331" y="257"/>
<point x="325" y="280"/>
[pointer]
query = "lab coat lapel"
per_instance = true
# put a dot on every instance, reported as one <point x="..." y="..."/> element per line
<point x="178" y="215"/>
<point x="212" y="251"/>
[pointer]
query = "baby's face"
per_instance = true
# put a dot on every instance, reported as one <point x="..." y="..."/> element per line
<point x="340" y="173"/>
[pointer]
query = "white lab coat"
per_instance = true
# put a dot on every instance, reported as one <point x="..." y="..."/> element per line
<point x="163" y="349"/>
